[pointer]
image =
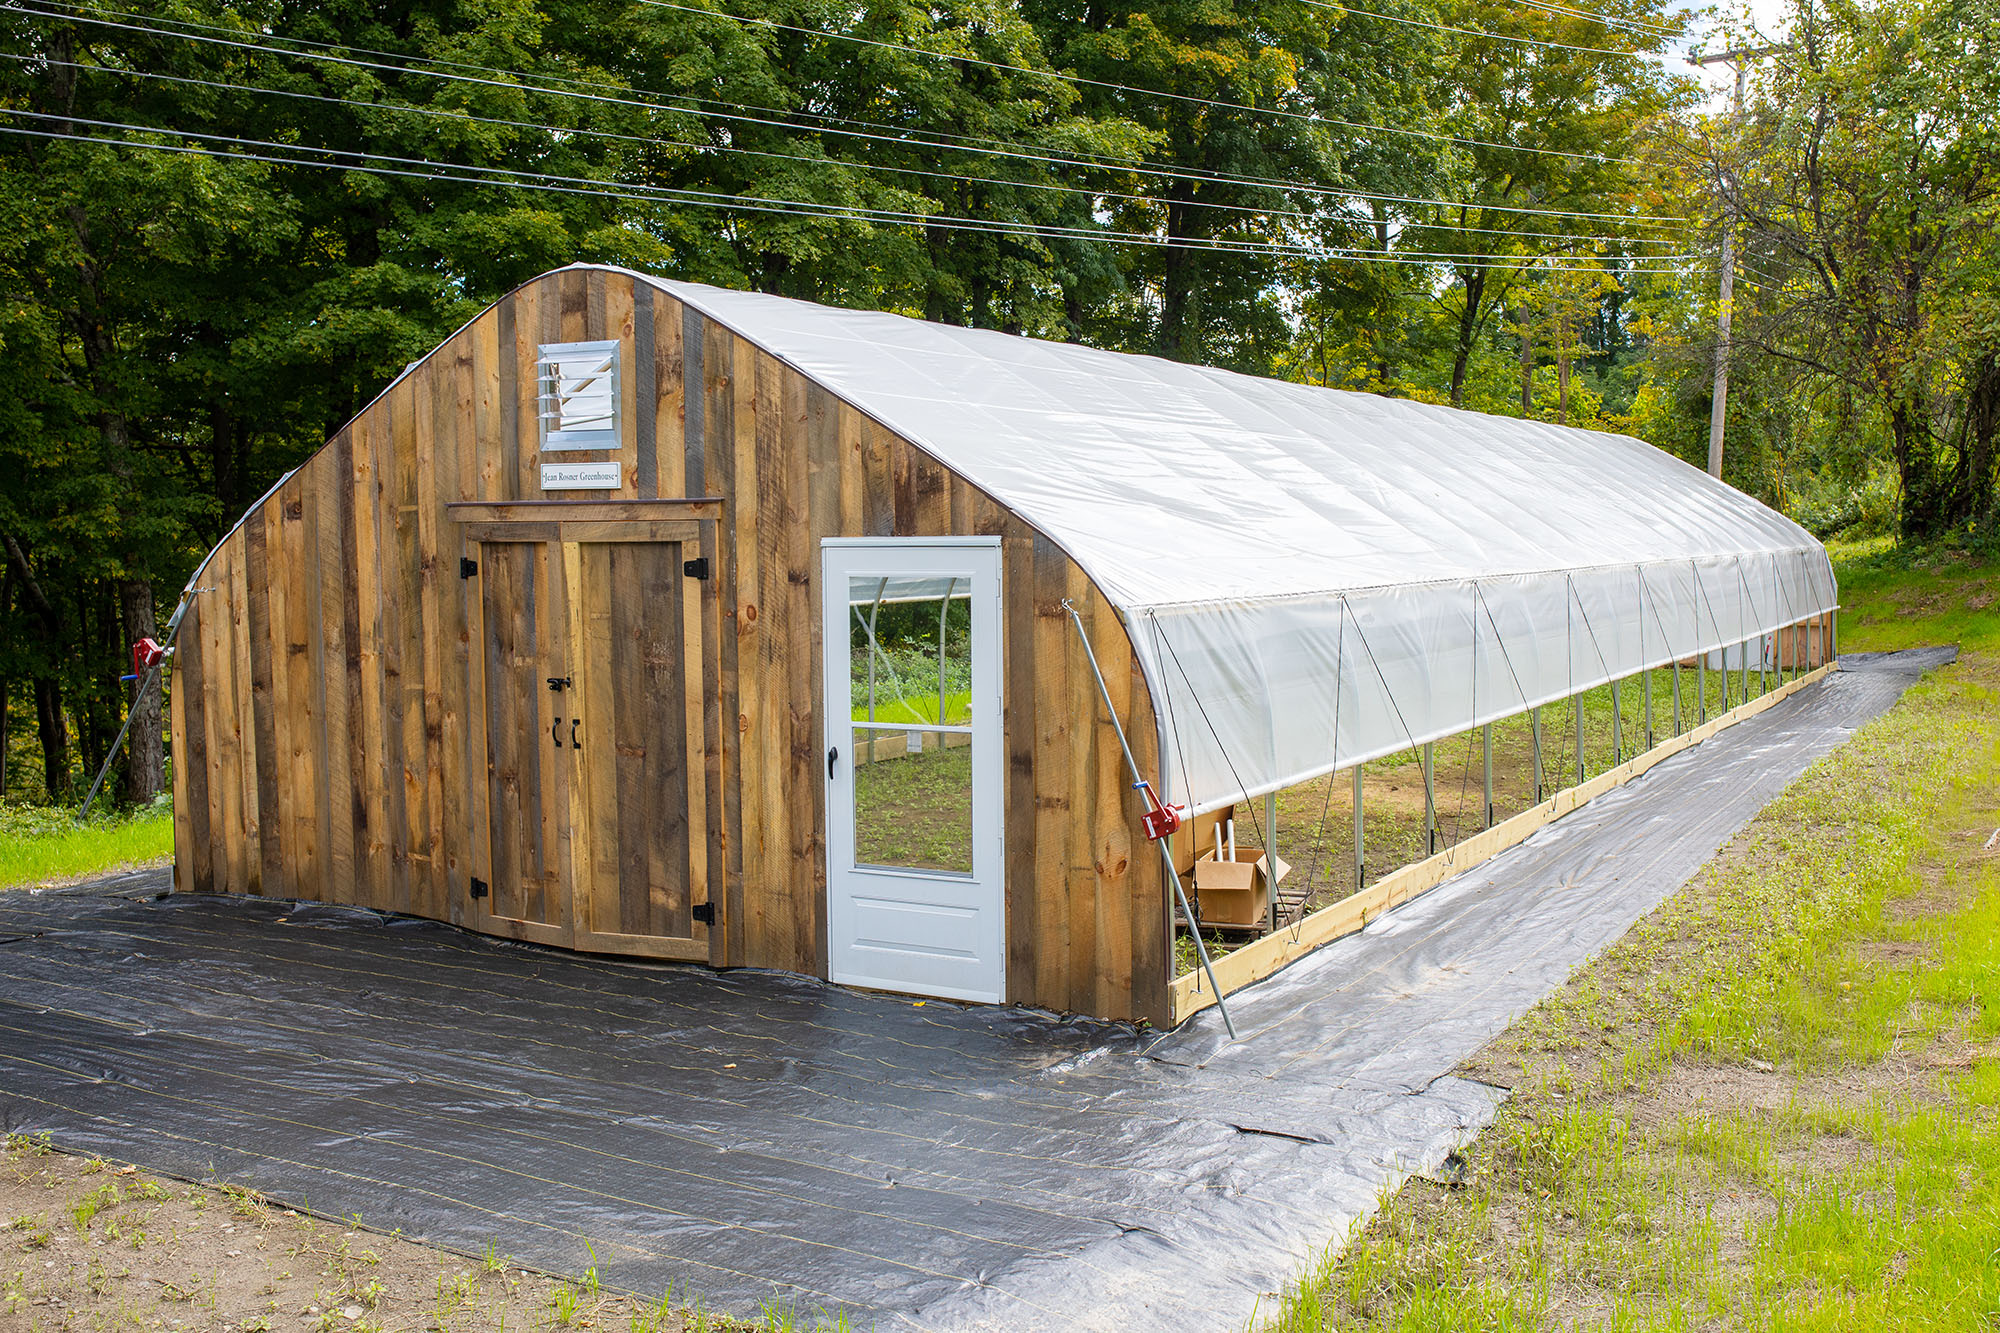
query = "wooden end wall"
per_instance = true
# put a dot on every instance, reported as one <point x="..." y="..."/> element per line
<point x="324" y="728"/>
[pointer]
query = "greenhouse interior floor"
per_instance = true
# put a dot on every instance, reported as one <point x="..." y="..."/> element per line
<point x="751" y="1136"/>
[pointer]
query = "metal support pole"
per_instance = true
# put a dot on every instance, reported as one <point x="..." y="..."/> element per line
<point x="1617" y="728"/>
<point x="1487" y="741"/>
<point x="1725" y="678"/>
<point x="868" y="750"/>
<point x="138" y="696"/>
<point x="1763" y="668"/>
<point x="1576" y="708"/>
<point x="1646" y="681"/>
<point x="1271" y="852"/>
<point x="1701" y="692"/>
<point x="944" y="610"/>
<point x="1165" y="844"/>
<point x="1535" y="733"/>
<point x="1430" y="805"/>
<point x="1746" y="671"/>
<point x="1360" y="861"/>
<point x="1677" y="696"/>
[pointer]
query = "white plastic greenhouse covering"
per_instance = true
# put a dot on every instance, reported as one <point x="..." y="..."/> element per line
<point x="1313" y="578"/>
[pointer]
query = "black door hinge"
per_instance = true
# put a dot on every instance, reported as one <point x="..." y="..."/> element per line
<point x="478" y="887"/>
<point x="696" y="568"/>
<point x="467" y="567"/>
<point x="703" y="912"/>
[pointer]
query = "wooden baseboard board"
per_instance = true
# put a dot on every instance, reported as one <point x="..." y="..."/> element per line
<point x="1259" y="959"/>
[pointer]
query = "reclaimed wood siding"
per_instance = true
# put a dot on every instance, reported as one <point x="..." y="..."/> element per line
<point x="327" y="698"/>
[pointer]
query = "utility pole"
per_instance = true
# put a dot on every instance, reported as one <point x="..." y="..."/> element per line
<point x="1718" y="410"/>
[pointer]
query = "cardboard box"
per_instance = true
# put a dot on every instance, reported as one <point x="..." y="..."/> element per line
<point x="1196" y="838"/>
<point x="1236" y="893"/>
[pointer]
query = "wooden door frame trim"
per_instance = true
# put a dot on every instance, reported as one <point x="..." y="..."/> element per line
<point x="597" y="511"/>
<point x="575" y="530"/>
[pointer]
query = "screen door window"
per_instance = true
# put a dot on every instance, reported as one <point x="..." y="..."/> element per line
<point x="910" y="677"/>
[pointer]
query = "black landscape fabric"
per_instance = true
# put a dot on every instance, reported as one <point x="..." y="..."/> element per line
<point x="750" y="1136"/>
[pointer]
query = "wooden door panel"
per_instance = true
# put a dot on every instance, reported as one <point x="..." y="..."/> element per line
<point x="527" y="754"/>
<point x="642" y="803"/>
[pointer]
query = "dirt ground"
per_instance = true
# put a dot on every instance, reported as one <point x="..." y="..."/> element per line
<point x="91" y="1245"/>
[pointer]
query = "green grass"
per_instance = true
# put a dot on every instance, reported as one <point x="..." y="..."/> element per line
<point x="1906" y="599"/>
<point x="915" y="811"/>
<point x="40" y="845"/>
<point x="924" y="709"/>
<point x="1775" y="1104"/>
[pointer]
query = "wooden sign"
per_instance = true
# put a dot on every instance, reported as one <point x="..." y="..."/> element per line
<point x="581" y="476"/>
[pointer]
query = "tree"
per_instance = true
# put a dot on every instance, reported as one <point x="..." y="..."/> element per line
<point x="1867" y="182"/>
<point x="1553" y="115"/>
<point x="1206" y="293"/>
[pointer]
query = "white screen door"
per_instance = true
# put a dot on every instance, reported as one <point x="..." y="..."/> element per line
<point x="915" y="898"/>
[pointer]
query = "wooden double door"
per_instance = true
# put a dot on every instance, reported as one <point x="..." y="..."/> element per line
<point x="590" y="677"/>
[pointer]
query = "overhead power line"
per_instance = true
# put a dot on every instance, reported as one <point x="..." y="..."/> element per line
<point x="458" y="173"/>
<point x="1638" y="26"/>
<point x="514" y="81"/>
<point x="1474" y="32"/>
<point x="1309" y="117"/>
<point x="1086" y="192"/>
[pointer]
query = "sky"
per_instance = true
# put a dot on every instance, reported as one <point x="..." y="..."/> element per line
<point x="1712" y="24"/>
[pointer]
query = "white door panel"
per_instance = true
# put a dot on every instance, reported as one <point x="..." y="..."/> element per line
<point x="915" y="897"/>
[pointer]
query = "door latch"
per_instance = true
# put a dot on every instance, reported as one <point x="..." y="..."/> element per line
<point x="557" y="684"/>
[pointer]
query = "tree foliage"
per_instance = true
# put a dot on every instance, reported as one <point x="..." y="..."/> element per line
<point x="1865" y="180"/>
